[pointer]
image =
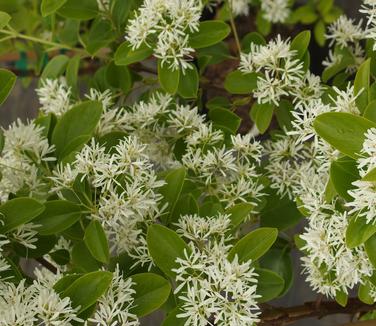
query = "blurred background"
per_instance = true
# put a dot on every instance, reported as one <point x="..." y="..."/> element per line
<point x="23" y="104"/>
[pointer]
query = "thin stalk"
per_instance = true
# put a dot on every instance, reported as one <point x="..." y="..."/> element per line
<point x="234" y="30"/>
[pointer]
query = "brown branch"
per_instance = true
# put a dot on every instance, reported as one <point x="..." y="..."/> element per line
<point x="285" y="316"/>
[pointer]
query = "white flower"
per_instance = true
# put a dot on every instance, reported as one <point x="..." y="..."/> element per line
<point x="275" y="11"/>
<point x="367" y="160"/>
<point x="114" y="306"/>
<point x="344" y="31"/>
<point x="240" y="7"/>
<point x="169" y="22"/>
<point x="364" y="200"/>
<point x="54" y="96"/>
<point x="345" y="100"/>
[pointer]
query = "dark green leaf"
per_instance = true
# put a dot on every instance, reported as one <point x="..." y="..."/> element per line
<point x="370" y="246"/>
<point x="361" y="85"/>
<point x="239" y="213"/>
<point x="168" y="78"/>
<point x="96" y="241"/>
<point x="210" y="33"/>
<point x="262" y="115"/>
<point x="225" y="118"/>
<point x="82" y="260"/>
<point x="240" y="83"/>
<point x="189" y="82"/>
<point x="124" y="54"/>
<point x="269" y="286"/>
<point x="100" y="35"/>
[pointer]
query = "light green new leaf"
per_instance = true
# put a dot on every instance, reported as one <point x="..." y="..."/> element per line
<point x="75" y="127"/>
<point x="210" y="32"/>
<point x="344" y="131"/>
<point x="18" y="211"/>
<point x="58" y="216"/>
<point x="300" y="43"/>
<point x="254" y="244"/>
<point x="49" y="7"/>
<point x="152" y="291"/>
<point x="7" y="81"/>
<point x="165" y="246"/>
<point x="4" y="19"/>
<point x="96" y="241"/>
<point x="86" y="290"/>
<point x="238" y="213"/>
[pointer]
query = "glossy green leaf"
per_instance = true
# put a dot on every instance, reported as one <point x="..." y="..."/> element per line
<point x="210" y="32"/>
<point x="49" y="7"/>
<point x="370" y="111"/>
<point x="361" y="85"/>
<point x="358" y="231"/>
<point x="7" y="81"/>
<point x="168" y="78"/>
<point x="364" y="293"/>
<point x="225" y="118"/>
<point x="343" y="172"/>
<point x="86" y="290"/>
<point x="76" y="127"/>
<point x="239" y="213"/>
<point x="262" y="115"/>
<point x="124" y="54"/>
<point x="344" y="131"/>
<point x="165" y="246"/>
<point x="96" y="241"/>
<point x="189" y="83"/>
<point x="18" y="211"/>
<point x="237" y="82"/>
<point x="300" y="43"/>
<point x="152" y="291"/>
<point x="82" y="9"/>
<point x="82" y="259"/>
<point x="370" y="246"/>
<point x="269" y="285"/>
<point x="58" y="216"/>
<point x="254" y="244"/>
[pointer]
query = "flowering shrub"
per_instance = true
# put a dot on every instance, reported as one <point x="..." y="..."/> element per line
<point x="198" y="157"/>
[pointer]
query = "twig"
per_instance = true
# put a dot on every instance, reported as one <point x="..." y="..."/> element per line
<point x="47" y="265"/>
<point x="286" y="316"/>
<point x="233" y="26"/>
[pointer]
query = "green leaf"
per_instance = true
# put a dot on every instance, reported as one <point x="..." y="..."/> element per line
<point x="324" y="6"/>
<point x="96" y="241"/>
<point x="254" y="244"/>
<point x="18" y="211"/>
<point x="100" y="35"/>
<point x="186" y="205"/>
<point x="58" y="216"/>
<point x="164" y="247"/>
<point x="119" y="77"/>
<point x="346" y="60"/>
<point x="86" y="290"/>
<point x="370" y="246"/>
<point x="124" y="54"/>
<point x="7" y="81"/>
<point x="237" y="82"/>
<point x="168" y="78"/>
<point x="319" y="32"/>
<point x="55" y="67"/>
<point x="210" y="32"/>
<point x="152" y="291"/>
<point x="358" y="231"/>
<point x="171" y="190"/>
<point x="225" y="118"/>
<point x="71" y="73"/>
<point x="188" y="83"/>
<point x="76" y="127"/>
<point x="364" y="293"/>
<point x="239" y="213"/>
<point x="361" y="85"/>
<point x="263" y="26"/>
<point x="82" y="260"/>
<point x="65" y="282"/>
<point x="300" y="43"/>
<point x="49" y="7"/>
<point x="344" y="131"/>
<point x="172" y="320"/>
<point x="343" y="172"/>
<point x="370" y="111"/>
<point x="82" y="9"/>
<point x="4" y="19"/>
<point x="280" y="213"/>
<point x="250" y="38"/>
<point x="279" y="261"/>
<point x="269" y="286"/>
<point x="342" y="298"/>
<point x="61" y="256"/>
<point x="261" y="115"/>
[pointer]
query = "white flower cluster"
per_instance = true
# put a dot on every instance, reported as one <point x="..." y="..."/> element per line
<point x="281" y="74"/>
<point x="54" y="96"/>
<point x="369" y="8"/>
<point x="168" y="23"/>
<point x="124" y="183"/>
<point x="213" y="290"/>
<point x="26" y="151"/>
<point x="36" y="304"/>
<point x="332" y="267"/>
<point x="113" y="307"/>
<point x="346" y="36"/>
<point x="364" y="194"/>
<point x="275" y="11"/>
